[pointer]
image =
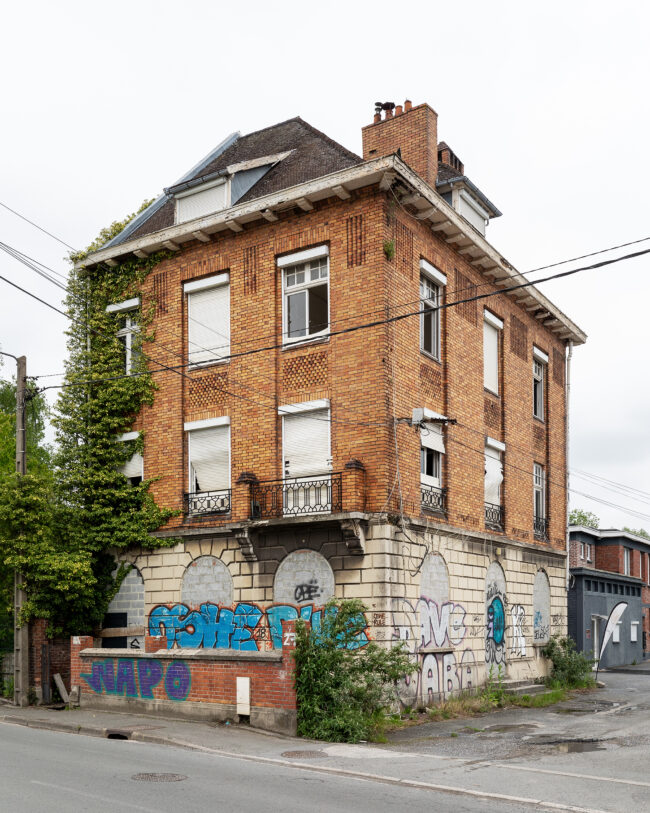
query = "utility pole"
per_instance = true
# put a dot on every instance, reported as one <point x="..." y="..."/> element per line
<point x="21" y="633"/>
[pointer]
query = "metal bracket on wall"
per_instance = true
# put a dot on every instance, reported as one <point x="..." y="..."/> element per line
<point x="246" y="545"/>
<point x="354" y="536"/>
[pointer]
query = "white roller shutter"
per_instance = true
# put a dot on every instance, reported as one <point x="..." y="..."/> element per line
<point x="431" y="437"/>
<point x="306" y="443"/>
<point x="490" y="357"/>
<point x="493" y="476"/>
<point x="209" y="455"/>
<point x="133" y="467"/>
<point x="208" y="315"/>
<point x="201" y="203"/>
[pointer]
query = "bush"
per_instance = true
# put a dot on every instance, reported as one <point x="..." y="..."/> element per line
<point x="343" y="682"/>
<point x="571" y="669"/>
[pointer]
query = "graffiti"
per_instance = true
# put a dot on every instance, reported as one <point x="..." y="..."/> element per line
<point x="306" y="592"/>
<point x="422" y="627"/>
<point x="517" y="637"/>
<point x="242" y="628"/>
<point x="541" y="631"/>
<point x="138" y="678"/>
<point x="379" y="619"/>
<point x="495" y="631"/>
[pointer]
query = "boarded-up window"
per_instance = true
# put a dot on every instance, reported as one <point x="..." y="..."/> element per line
<point x="465" y="290"/>
<point x="356" y="238"/>
<point x="518" y="338"/>
<point x="558" y="367"/>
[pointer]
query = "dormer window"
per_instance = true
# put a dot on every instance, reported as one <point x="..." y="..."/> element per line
<point x="203" y="200"/>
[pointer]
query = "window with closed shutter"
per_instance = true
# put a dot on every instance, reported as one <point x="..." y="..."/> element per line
<point x="490" y="357"/>
<point x="133" y="469"/>
<point x="493" y="475"/>
<point x="208" y="318"/>
<point x="209" y="456"/>
<point x="202" y="202"/>
<point x="306" y="443"/>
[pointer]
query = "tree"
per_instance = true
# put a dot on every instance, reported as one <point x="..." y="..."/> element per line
<point x="581" y="517"/>
<point x="39" y="461"/>
<point x="638" y="531"/>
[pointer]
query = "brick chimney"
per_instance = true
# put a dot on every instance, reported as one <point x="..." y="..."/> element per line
<point x="411" y="130"/>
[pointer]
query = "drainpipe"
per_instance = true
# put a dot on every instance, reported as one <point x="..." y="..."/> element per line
<point x="566" y="452"/>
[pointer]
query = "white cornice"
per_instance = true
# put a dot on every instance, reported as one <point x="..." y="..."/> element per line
<point x="428" y="206"/>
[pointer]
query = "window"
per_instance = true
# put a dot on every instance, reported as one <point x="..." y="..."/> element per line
<point x="582" y="550"/>
<point x="431" y="282"/>
<point x="588" y="552"/>
<point x="493" y="470"/>
<point x="307" y="457"/>
<point x="208" y="453"/>
<point x="634" y="632"/>
<point x="208" y="319"/>
<point x="539" y="500"/>
<point x="626" y="561"/>
<point x="127" y="329"/>
<point x="203" y="200"/>
<point x="133" y="468"/>
<point x="492" y="327"/>
<point x="305" y="286"/>
<point x="432" y="447"/>
<point x="540" y="362"/>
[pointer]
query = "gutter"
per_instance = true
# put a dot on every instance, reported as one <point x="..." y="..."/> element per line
<point x="566" y="457"/>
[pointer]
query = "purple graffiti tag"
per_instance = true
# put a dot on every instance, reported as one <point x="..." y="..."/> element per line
<point x="102" y="677"/>
<point x="125" y="678"/>
<point x="149" y="676"/>
<point x="177" y="681"/>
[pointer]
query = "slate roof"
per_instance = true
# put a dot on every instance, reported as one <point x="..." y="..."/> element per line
<point x="313" y="155"/>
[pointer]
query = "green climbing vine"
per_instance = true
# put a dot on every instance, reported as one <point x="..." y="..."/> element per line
<point x="63" y="532"/>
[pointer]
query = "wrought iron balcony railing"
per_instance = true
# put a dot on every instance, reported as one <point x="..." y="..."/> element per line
<point x="434" y="499"/>
<point x="294" y="496"/>
<point x="494" y="516"/>
<point x="540" y="528"/>
<point x="208" y="502"/>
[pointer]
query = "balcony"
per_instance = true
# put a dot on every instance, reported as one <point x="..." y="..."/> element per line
<point x="494" y="516"/>
<point x="540" y="528"/>
<point x="434" y="499"/>
<point x="207" y="502"/>
<point x="297" y="496"/>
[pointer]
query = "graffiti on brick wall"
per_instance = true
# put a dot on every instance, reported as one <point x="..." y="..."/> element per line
<point x="246" y="627"/>
<point x="139" y="677"/>
<point x="429" y="625"/>
<point x="517" y="631"/>
<point x="496" y="605"/>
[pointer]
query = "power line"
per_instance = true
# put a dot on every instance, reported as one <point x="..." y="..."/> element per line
<point x="36" y="226"/>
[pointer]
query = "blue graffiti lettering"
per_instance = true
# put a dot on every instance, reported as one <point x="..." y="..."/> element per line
<point x="103" y="680"/>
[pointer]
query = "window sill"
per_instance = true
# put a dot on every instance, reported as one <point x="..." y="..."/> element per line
<point x="491" y="392"/>
<point x="430" y="357"/>
<point x="200" y="365"/>
<point x="308" y="342"/>
<point x="539" y="420"/>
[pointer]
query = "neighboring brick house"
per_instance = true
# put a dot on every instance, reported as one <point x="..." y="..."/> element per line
<point x="343" y="427"/>
<point x="594" y="556"/>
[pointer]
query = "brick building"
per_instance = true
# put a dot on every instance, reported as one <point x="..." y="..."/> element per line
<point x="608" y="566"/>
<point x="366" y="410"/>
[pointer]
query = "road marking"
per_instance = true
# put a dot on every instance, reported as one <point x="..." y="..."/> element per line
<point x="391" y="780"/>
<point x="566" y="773"/>
<point x="119" y="802"/>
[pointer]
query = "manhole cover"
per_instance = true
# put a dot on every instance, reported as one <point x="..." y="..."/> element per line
<point x="158" y="777"/>
<point x="304" y="754"/>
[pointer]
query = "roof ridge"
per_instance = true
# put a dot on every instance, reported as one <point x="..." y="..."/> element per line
<point x="325" y="137"/>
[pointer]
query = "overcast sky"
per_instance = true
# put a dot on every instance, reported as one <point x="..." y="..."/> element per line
<point x="105" y="103"/>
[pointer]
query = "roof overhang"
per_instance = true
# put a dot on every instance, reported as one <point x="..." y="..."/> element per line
<point x="389" y="172"/>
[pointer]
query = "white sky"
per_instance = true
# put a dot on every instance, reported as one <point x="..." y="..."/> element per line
<point x="105" y="103"/>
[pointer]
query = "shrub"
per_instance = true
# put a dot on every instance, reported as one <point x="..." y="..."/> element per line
<point x="343" y="682"/>
<point x="571" y="668"/>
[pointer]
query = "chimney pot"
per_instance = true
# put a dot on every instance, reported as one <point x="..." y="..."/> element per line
<point x="377" y="118"/>
<point x="389" y="114"/>
<point x="398" y="110"/>
<point x="407" y="105"/>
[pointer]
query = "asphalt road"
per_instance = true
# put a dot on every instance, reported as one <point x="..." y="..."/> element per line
<point x="64" y="773"/>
